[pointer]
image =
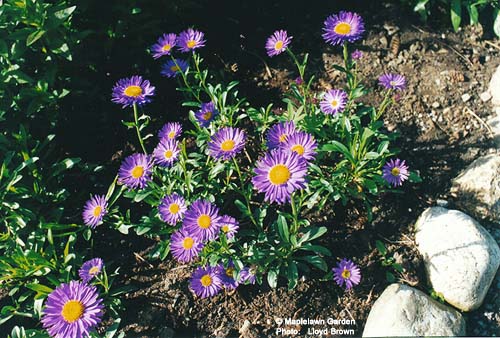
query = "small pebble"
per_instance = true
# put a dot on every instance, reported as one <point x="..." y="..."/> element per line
<point x="435" y="105"/>
<point x="442" y="203"/>
<point x="466" y="97"/>
<point x="485" y="97"/>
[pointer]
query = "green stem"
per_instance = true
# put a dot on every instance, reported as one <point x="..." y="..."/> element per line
<point x="346" y="56"/>
<point x="247" y="200"/>
<point x="184" y="78"/>
<point x="294" y="214"/>
<point x="136" y="120"/>
<point x="384" y="104"/>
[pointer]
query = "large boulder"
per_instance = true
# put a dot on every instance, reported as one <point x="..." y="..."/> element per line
<point x="477" y="188"/>
<point x="405" y="311"/>
<point x="460" y="256"/>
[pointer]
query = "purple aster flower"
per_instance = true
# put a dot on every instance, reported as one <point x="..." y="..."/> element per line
<point x="278" y="43"/>
<point x="342" y="27"/>
<point x="206" y="282"/>
<point x="278" y="134"/>
<point x="206" y="114"/>
<point x="166" y="152"/>
<point x="227" y="275"/>
<point x="164" y="45"/>
<point x="72" y="310"/>
<point x="229" y="226"/>
<point x="226" y="143"/>
<point x="247" y="276"/>
<point x="184" y="246"/>
<point x="172" y="208"/>
<point x="172" y="68"/>
<point x="133" y="90"/>
<point x="171" y="130"/>
<point x="302" y="143"/>
<point x="334" y="101"/>
<point x="278" y="174"/>
<point x="357" y="54"/>
<point x="202" y="220"/>
<point x="395" y="172"/>
<point x="90" y="269"/>
<point x="136" y="171"/>
<point x="190" y="39"/>
<point x="94" y="210"/>
<point x="299" y="81"/>
<point x="392" y="81"/>
<point x="346" y="272"/>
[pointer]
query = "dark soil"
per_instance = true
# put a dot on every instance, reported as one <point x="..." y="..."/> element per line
<point x="439" y="137"/>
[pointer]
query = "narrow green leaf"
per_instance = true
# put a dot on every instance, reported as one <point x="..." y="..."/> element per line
<point x="456" y="13"/>
<point x="496" y="21"/>
<point x="34" y="37"/>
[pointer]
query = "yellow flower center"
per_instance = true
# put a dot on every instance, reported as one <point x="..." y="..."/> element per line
<point x="206" y="280"/>
<point x="227" y="145"/>
<point x="175" y="68"/>
<point x="168" y="154"/>
<point x="138" y="171"/>
<point x="392" y="83"/>
<point x="342" y="28"/>
<point x="229" y="272"/>
<point x="167" y="47"/>
<point x="191" y="43"/>
<point x="72" y="311"/>
<point x="207" y="115"/>
<point x="283" y="137"/>
<point x="334" y="103"/>
<point x="94" y="270"/>
<point x="97" y="211"/>
<point x="174" y="208"/>
<point x="299" y="149"/>
<point x="225" y="228"/>
<point x="133" y="91"/>
<point x="171" y="134"/>
<point x="279" y="174"/>
<point x="187" y="243"/>
<point x="278" y="45"/>
<point x="204" y="221"/>
<point x="346" y="274"/>
<point x="395" y="171"/>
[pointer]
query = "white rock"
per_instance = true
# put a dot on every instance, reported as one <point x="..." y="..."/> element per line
<point x="485" y="97"/>
<point x="494" y="123"/>
<point x="495" y="87"/>
<point x="460" y="256"/>
<point x="465" y="97"/>
<point x="405" y="311"/>
<point x="478" y="188"/>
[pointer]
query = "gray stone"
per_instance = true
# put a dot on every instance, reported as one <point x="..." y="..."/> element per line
<point x="485" y="96"/>
<point x="477" y="188"/>
<point x="494" y="124"/>
<point x="460" y="256"/>
<point x="495" y="87"/>
<point x="466" y="97"/>
<point x="405" y="311"/>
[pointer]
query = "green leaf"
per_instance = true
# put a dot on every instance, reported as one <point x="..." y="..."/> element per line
<point x="293" y="275"/>
<point x="39" y="288"/>
<point x="390" y="277"/>
<point x="34" y="37"/>
<point x="312" y="233"/>
<point x="420" y="6"/>
<point x="283" y="228"/>
<point x="496" y="21"/>
<point x="414" y="177"/>
<point x="456" y="13"/>
<point x="473" y="14"/>
<point x="381" y="247"/>
<point x="315" y="261"/>
<point x="338" y="147"/>
<point x="64" y="13"/>
<point x="272" y="277"/>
